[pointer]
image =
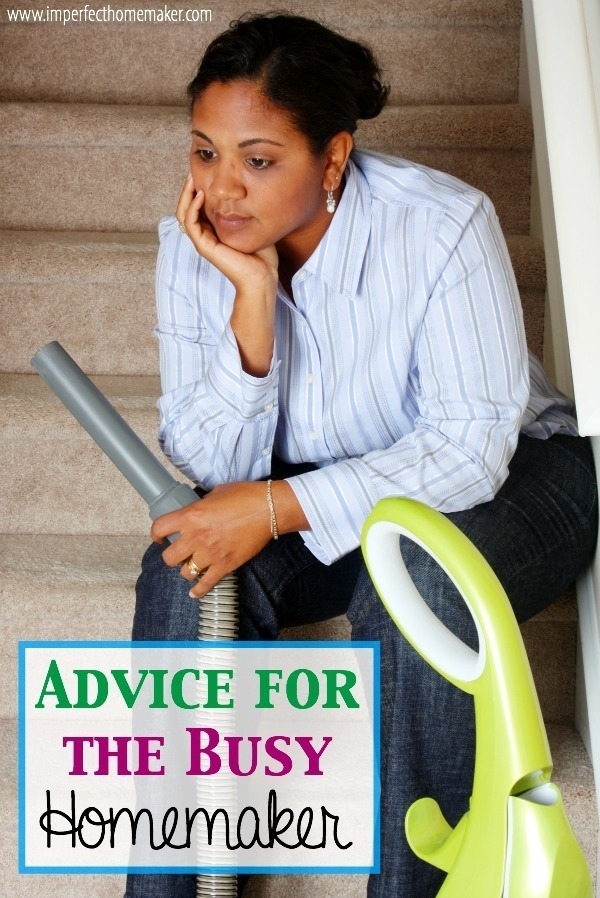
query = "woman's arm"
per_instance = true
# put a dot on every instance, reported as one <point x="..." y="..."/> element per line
<point x="254" y="276"/>
<point x="223" y="421"/>
<point x="217" y="421"/>
<point x="215" y="310"/>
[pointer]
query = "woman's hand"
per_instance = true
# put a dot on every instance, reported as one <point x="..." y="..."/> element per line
<point x="222" y="531"/>
<point x="254" y="276"/>
<point x="247" y="271"/>
<point x="226" y="528"/>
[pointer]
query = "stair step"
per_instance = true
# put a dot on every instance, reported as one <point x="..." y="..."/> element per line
<point x="78" y="288"/>
<point x="88" y="593"/>
<point x="431" y="52"/>
<point x="119" y="168"/>
<point x="60" y="481"/>
<point x="74" y="286"/>
<point x="573" y="774"/>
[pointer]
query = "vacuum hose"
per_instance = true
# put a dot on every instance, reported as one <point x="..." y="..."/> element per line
<point x="219" y="618"/>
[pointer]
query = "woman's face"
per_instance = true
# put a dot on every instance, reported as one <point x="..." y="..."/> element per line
<point x="262" y="183"/>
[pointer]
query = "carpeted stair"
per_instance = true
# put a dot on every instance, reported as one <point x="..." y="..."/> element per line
<point x="93" y="150"/>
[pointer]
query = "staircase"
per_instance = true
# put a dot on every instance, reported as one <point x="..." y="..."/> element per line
<point x="93" y="150"/>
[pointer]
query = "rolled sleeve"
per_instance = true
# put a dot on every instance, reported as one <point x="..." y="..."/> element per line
<point x="335" y="502"/>
<point x="241" y="394"/>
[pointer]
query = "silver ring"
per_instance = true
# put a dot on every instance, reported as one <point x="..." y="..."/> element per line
<point x="181" y="227"/>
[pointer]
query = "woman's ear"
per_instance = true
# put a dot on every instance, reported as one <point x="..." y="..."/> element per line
<point x="336" y="158"/>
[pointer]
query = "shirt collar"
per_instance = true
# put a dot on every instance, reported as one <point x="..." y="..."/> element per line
<point x="339" y="256"/>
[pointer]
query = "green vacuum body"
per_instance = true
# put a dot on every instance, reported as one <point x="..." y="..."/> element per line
<point x="515" y="841"/>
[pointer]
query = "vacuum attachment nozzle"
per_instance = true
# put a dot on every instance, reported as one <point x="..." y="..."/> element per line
<point x="107" y="428"/>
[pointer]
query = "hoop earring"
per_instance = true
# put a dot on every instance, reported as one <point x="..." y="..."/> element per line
<point x="330" y="202"/>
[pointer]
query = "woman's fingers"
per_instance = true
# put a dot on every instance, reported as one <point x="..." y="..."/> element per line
<point x="206" y="582"/>
<point x="192" y="569"/>
<point x="192" y="213"/>
<point x="188" y="210"/>
<point x="196" y="226"/>
<point x="203" y="579"/>
<point x="201" y="574"/>
<point x="242" y="269"/>
<point x="185" y="198"/>
<point x="170" y="523"/>
<point x="199" y="229"/>
<point x="188" y="214"/>
<point x="179" y="550"/>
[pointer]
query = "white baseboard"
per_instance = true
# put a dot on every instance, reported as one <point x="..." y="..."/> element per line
<point x="587" y="699"/>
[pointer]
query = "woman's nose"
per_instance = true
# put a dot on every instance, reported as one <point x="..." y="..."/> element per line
<point x="227" y="183"/>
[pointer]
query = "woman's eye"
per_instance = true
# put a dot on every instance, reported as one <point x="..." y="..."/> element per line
<point x="205" y="155"/>
<point x="259" y="164"/>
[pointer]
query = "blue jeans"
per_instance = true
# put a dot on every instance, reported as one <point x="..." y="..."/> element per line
<point x="537" y="534"/>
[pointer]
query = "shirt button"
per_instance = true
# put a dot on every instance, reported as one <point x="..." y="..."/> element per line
<point x="310" y="378"/>
<point x="265" y="452"/>
<point x="312" y="435"/>
<point x="302" y="275"/>
<point x="269" y="407"/>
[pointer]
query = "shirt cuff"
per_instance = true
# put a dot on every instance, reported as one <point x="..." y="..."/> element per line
<point x="243" y="395"/>
<point x="336" y="500"/>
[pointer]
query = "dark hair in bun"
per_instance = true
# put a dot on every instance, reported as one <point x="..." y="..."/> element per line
<point x="325" y="81"/>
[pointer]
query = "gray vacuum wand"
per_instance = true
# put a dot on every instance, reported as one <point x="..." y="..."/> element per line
<point x="108" y="429"/>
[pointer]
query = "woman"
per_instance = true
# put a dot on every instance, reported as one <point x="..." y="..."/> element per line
<point x="348" y="325"/>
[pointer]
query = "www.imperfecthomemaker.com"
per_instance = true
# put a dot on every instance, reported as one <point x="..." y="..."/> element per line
<point x="105" y="14"/>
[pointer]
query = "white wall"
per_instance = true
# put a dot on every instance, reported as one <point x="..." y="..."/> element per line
<point x="561" y="79"/>
<point x="563" y="43"/>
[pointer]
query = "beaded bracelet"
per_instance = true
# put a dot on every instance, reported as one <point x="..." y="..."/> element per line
<point x="272" y="515"/>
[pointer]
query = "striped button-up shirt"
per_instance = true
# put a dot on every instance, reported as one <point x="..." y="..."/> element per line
<point x="400" y="368"/>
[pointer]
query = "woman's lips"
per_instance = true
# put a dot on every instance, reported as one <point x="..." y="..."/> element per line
<point x="230" y="222"/>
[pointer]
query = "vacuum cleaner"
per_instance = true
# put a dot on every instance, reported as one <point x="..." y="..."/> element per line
<point x="219" y="618"/>
<point x="515" y="841"/>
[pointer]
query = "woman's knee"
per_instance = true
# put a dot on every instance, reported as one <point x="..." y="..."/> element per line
<point x="439" y="592"/>
<point x="371" y="620"/>
<point x="164" y="610"/>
